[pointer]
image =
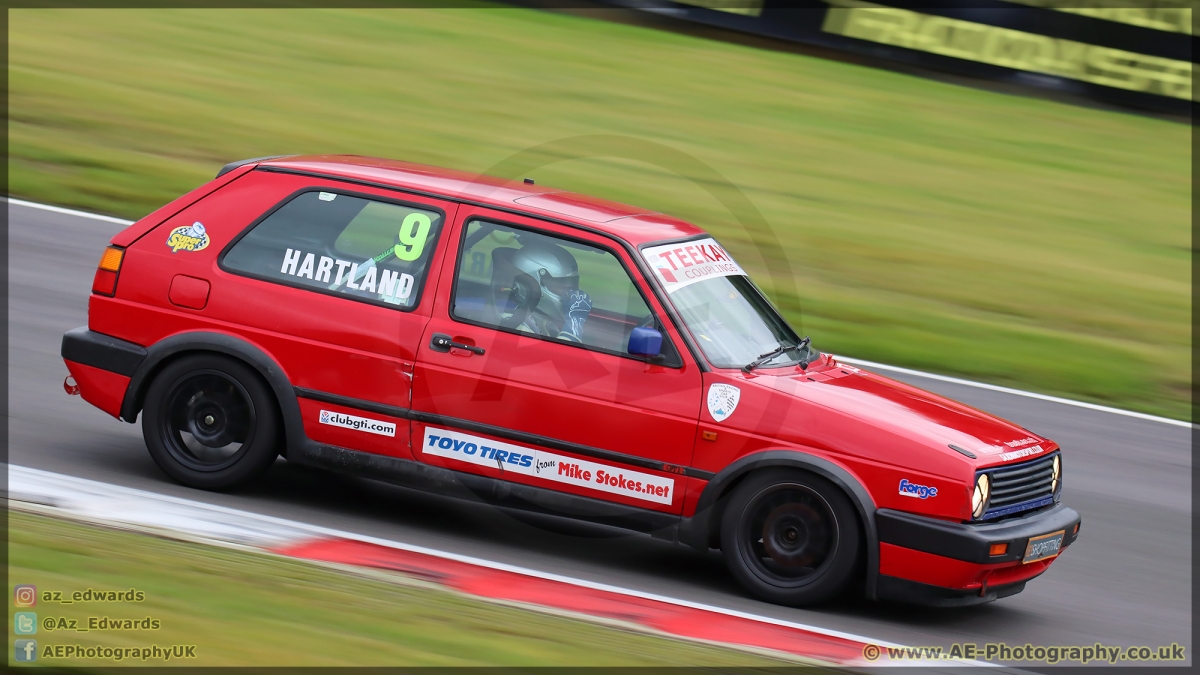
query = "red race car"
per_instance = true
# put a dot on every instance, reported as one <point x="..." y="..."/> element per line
<point x="552" y="352"/>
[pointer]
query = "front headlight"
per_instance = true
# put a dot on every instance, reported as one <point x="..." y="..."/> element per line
<point x="979" y="499"/>
<point x="1055" y="474"/>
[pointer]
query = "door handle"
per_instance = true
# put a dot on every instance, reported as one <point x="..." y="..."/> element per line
<point x="443" y="343"/>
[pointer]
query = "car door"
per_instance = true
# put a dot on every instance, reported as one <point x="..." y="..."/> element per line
<point x="334" y="282"/>
<point x="508" y="385"/>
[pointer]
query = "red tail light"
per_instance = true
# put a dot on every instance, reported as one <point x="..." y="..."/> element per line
<point x="105" y="282"/>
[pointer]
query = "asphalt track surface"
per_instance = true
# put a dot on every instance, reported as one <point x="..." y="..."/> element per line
<point x="1126" y="582"/>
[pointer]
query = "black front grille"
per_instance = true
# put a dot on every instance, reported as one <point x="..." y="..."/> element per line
<point x="1022" y="487"/>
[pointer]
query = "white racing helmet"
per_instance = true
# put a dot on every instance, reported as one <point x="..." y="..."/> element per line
<point x="556" y="274"/>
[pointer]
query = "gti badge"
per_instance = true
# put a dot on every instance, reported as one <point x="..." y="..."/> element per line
<point x="908" y="489"/>
<point x="722" y="401"/>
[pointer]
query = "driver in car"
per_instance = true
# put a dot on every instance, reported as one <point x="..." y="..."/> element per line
<point x="545" y="295"/>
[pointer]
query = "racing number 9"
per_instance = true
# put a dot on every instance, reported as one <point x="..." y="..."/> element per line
<point x="413" y="232"/>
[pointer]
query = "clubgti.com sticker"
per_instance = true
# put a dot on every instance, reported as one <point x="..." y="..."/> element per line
<point x="335" y="419"/>
<point x="542" y="464"/>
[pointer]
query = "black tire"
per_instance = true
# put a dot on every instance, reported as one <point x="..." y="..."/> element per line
<point x="791" y="538"/>
<point x="210" y="422"/>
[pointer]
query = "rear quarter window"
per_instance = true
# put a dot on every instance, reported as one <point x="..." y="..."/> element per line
<point x="342" y="244"/>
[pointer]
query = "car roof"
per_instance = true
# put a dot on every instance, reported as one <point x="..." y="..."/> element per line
<point x="635" y="225"/>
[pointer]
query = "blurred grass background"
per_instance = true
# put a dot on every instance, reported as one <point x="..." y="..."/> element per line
<point x="1013" y="240"/>
<point x="249" y="609"/>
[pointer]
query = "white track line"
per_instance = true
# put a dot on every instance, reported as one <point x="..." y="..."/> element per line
<point x="117" y="504"/>
<point x="48" y="493"/>
<point x="69" y="212"/>
<point x="1016" y="392"/>
<point x="847" y="359"/>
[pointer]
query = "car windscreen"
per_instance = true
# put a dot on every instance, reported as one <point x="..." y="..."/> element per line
<point x="731" y="320"/>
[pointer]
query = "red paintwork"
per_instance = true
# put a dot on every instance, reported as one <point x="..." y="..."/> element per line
<point x="188" y="292"/>
<point x="579" y="396"/>
<point x="937" y="570"/>
<point x="393" y="446"/>
<point x="101" y="388"/>
<point x="617" y="219"/>
<point x="878" y="430"/>
<point x="148" y="222"/>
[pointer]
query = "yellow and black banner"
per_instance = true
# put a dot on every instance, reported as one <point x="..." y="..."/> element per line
<point x="1015" y="49"/>
<point x="1103" y="49"/>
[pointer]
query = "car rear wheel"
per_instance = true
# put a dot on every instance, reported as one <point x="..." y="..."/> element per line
<point x="210" y="422"/>
<point x="790" y="537"/>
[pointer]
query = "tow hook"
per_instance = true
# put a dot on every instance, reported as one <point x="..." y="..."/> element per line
<point x="70" y="387"/>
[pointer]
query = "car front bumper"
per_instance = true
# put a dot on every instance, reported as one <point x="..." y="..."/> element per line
<point x="935" y="562"/>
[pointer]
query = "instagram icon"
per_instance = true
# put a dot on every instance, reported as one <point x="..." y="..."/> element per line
<point x="25" y="596"/>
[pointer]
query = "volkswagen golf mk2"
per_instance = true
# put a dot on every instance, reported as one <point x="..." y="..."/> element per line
<point x="550" y="352"/>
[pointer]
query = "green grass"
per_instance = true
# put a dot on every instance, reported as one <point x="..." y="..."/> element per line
<point x="1019" y="241"/>
<point x="249" y="609"/>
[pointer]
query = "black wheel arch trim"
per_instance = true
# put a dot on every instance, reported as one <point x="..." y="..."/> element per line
<point x="698" y="530"/>
<point x="220" y="343"/>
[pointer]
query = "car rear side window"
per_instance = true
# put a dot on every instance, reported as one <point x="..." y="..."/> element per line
<point x="341" y="244"/>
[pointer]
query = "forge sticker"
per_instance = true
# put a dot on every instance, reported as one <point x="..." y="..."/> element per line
<point x="541" y="464"/>
<point x="188" y="238"/>
<point x="908" y="489"/>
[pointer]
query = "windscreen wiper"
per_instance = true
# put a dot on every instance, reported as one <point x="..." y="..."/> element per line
<point x="763" y="358"/>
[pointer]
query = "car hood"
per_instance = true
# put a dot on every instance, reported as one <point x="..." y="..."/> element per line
<point x="910" y="412"/>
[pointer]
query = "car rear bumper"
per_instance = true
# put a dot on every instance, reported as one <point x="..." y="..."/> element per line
<point x="941" y="563"/>
<point x="102" y="366"/>
<point x="105" y="352"/>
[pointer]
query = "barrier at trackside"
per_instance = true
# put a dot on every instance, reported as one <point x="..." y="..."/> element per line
<point x="1134" y="57"/>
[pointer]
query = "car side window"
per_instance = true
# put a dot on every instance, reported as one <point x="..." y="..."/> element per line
<point x="341" y="244"/>
<point x="530" y="282"/>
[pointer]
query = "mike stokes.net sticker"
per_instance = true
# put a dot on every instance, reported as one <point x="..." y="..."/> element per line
<point x="547" y="465"/>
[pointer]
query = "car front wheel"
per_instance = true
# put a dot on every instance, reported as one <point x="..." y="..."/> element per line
<point x="790" y="537"/>
<point x="210" y="422"/>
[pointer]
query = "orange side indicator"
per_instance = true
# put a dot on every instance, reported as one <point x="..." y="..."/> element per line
<point x="998" y="549"/>
<point x="111" y="261"/>
<point x="708" y="435"/>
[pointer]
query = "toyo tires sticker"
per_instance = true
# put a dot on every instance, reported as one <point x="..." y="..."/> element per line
<point x="541" y="464"/>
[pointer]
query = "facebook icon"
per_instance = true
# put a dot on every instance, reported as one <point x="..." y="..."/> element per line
<point x="25" y="650"/>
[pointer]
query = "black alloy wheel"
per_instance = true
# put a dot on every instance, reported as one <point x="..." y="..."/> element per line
<point x="210" y="422"/>
<point x="790" y="537"/>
